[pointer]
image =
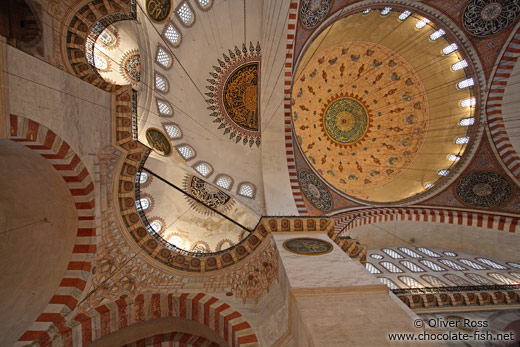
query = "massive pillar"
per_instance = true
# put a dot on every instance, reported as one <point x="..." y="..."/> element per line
<point x="334" y="301"/>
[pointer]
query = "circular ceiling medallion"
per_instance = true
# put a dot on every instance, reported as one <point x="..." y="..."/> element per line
<point x="345" y="120"/>
<point x="489" y="17"/>
<point x="312" y="12"/>
<point x="158" y="141"/>
<point x="307" y="246"/>
<point x="131" y="66"/>
<point x="484" y="189"/>
<point x="373" y="118"/>
<point x="208" y="194"/>
<point x="159" y="10"/>
<point x="314" y="190"/>
<point x="234" y="93"/>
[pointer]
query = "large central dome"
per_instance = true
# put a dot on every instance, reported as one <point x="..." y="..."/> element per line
<point x="376" y="109"/>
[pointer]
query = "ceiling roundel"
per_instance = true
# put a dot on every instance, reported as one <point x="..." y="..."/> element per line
<point x="484" y="189"/>
<point x="159" y="10"/>
<point x="312" y="12"/>
<point x="365" y="128"/>
<point x="489" y="17"/>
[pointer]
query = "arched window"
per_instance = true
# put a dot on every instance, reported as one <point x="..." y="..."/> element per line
<point x="515" y="274"/>
<point x="479" y="279"/>
<point x="143" y="177"/>
<point x="389" y="283"/>
<point x="466" y="122"/>
<point x="453" y="157"/>
<point x="161" y="83"/>
<point x="164" y="108"/>
<point x="468" y="102"/>
<point x="100" y="62"/>
<point x="428" y="252"/>
<point x="172" y="35"/>
<point x="367" y="11"/>
<point x="462" y="140"/>
<point x="200" y="247"/>
<point x="224" y="181"/>
<point x="179" y="242"/>
<point x="433" y="281"/>
<point x="173" y="131"/>
<point x="449" y="254"/>
<point x="502" y="279"/>
<point x="392" y="253"/>
<point x="472" y="264"/>
<point x="376" y="256"/>
<point x="390" y="267"/>
<point x="465" y="83"/>
<point x="422" y="23"/>
<point x="203" y="168"/>
<point x="372" y="269"/>
<point x="411" y="266"/>
<point x="404" y="15"/>
<point x="204" y="4"/>
<point x="186" y="152"/>
<point x="163" y="58"/>
<point x="409" y="252"/>
<point x="459" y="65"/>
<point x="386" y="11"/>
<point x="513" y="264"/>
<point x="247" y="190"/>
<point x="185" y="14"/>
<point x="458" y="281"/>
<point x="144" y="204"/>
<point x="410" y="282"/>
<point x="443" y="172"/>
<point x="437" y="34"/>
<point x="491" y="263"/>
<point x="452" y="264"/>
<point x="431" y="265"/>
<point x="450" y="49"/>
<point x="156" y="226"/>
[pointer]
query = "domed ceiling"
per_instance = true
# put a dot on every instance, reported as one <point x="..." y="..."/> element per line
<point x="376" y="107"/>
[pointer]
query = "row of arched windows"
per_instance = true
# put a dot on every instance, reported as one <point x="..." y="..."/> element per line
<point x="452" y="280"/>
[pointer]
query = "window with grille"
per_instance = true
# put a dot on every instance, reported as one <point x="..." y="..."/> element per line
<point x="466" y="83"/>
<point x="372" y="269"/>
<point x="465" y="122"/>
<point x="204" y="4"/>
<point x="452" y="264"/>
<point x="160" y="83"/>
<point x="479" y="279"/>
<point x="386" y="11"/>
<point x="204" y="169"/>
<point x="450" y="49"/>
<point x="164" y="108"/>
<point x="453" y="157"/>
<point x="390" y="267"/>
<point x="404" y="15"/>
<point x="367" y="11"/>
<point x="428" y="252"/>
<point x="443" y="172"/>
<point x="503" y="279"/>
<point x="172" y="35"/>
<point x="173" y="131"/>
<point x="459" y="65"/>
<point x="186" y="152"/>
<point x="100" y="62"/>
<point x="156" y="226"/>
<point x="185" y="14"/>
<point x="462" y="140"/>
<point x="392" y="253"/>
<point x="145" y="203"/>
<point x="515" y="274"/>
<point x="513" y="264"/>
<point x="143" y="178"/>
<point x="431" y="265"/>
<point x="163" y="58"/>
<point x="433" y="281"/>
<point x="458" y="281"/>
<point x="437" y="35"/>
<point x="376" y="256"/>
<point x="410" y="282"/>
<point x="389" y="283"/>
<point x="224" y="181"/>
<point x="491" y="263"/>
<point x="422" y="23"/>
<point x="472" y="264"/>
<point x="411" y="266"/>
<point x="247" y="190"/>
<point x="410" y="253"/>
<point x="468" y="102"/>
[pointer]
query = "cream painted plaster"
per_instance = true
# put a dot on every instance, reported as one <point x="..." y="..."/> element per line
<point x="75" y="110"/>
<point x="482" y="241"/>
<point x="33" y="253"/>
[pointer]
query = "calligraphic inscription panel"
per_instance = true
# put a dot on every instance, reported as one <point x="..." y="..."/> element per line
<point x="158" y="141"/>
<point x="307" y="246"/>
<point x="159" y="10"/>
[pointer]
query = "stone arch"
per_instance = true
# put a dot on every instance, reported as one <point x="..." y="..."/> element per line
<point x="70" y="167"/>
<point x="199" y="307"/>
<point x="497" y="87"/>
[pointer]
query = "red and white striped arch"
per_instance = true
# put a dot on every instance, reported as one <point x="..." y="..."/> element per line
<point x="494" y="104"/>
<point x="203" y="308"/>
<point x="69" y="166"/>
<point x="353" y="219"/>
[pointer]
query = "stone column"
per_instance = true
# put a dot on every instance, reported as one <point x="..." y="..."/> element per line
<point x="334" y="301"/>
